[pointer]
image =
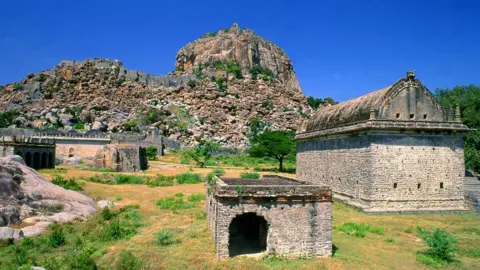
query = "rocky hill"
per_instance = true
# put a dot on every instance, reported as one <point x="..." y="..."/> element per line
<point x="221" y="81"/>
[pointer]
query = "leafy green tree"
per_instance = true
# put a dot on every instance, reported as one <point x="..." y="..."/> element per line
<point x="256" y="127"/>
<point x="277" y="144"/>
<point x="6" y="119"/>
<point x="152" y="152"/>
<point x="468" y="97"/>
<point x="316" y="103"/>
<point x="202" y="152"/>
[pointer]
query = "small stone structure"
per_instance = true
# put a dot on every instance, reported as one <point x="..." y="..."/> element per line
<point x="121" y="158"/>
<point x="279" y="215"/>
<point x="38" y="153"/>
<point x="393" y="150"/>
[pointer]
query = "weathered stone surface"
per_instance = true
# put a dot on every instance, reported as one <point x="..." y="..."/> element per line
<point x="105" y="203"/>
<point x="9" y="233"/>
<point x="297" y="215"/>
<point x="23" y="189"/>
<point x="121" y="158"/>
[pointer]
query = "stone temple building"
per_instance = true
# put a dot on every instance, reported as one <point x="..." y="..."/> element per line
<point x="276" y="215"/>
<point x="393" y="150"/>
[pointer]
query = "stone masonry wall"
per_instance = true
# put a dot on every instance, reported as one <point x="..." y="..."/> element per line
<point x="417" y="171"/>
<point x="295" y="229"/>
<point x="6" y="150"/>
<point x="387" y="171"/>
<point x="341" y="162"/>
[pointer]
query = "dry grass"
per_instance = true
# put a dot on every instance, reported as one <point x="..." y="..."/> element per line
<point x="196" y="250"/>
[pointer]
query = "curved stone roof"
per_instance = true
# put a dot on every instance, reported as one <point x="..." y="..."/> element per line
<point x="406" y="100"/>
<point x="354" y="110"/>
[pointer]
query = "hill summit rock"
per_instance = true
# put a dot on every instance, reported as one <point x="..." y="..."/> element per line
<point x="241" y="46"/>
<point x="220" y="83"/>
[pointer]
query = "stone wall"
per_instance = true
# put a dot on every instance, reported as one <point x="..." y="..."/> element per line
<point x="382" y="171"/>
<point x="84" y="149"/>
<point x="37" y="153"/>
<point x="299" y="218"/>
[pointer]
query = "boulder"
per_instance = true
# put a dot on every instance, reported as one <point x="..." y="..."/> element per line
<point x="10" y="233"/>
<point x="121" y="158"/>
<point x="24" y="192"/>
<point x="105" y="203"/>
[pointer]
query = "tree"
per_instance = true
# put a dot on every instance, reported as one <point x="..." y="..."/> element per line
<point x="316" y="103"/>
<point x="276" y="144"/>
<point x="202" y="152"/>
<point x="152" y="152"/>
<point x="468" y="97"/>
<point x="256" y="127"/>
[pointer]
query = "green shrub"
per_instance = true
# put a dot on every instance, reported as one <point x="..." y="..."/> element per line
<point x="116" y="230"/>
<point x="129" y="179"/>
<point x="67" y="184"/>
<point x="161" y="181"/>
<point x="79" y="126"/>
<point x="250" y="175"/>
<point x="442" y="244"/>
<point x="127" y="261"/>
<point x="107" y="214"/>
<point x="152" y="152"/>
<point x="192" y="84"/>
<point x="166" y="238"/>
<point x="219" y="171"/>
<point x="359" y="229"/>
<point x="409" y="230"/>
<point x="17" y="87"/>
<point x="80" y="261"/>
<point x="118" y="198"/>
<point x="188" y="178"/>
<point x="174" y="203"/>
<point x="56" y="237"/>
<point x="196" y="197"/>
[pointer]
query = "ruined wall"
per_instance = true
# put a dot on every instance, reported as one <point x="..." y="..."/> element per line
<point x="79" y="148"/>
<point x="295" y="229"/>
<point x="387" y="171"/>
<point x="6" y="150"/>
<point x="121" y="158"/>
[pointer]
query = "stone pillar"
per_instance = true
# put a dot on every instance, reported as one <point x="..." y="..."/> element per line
<point x="458" y="115"/>
<point x="372" y="114"/>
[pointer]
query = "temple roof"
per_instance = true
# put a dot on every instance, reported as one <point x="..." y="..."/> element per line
<point x="400" y="101"/>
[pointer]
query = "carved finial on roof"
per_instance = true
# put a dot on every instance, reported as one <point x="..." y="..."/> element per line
<point x="458" y="115"/>
<point x="411" y="75"/>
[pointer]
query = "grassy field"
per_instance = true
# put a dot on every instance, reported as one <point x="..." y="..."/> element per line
<point x="179" y="239"/>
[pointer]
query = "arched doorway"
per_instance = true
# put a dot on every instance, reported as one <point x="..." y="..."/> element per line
<point x="51" y="161"/>
<point x="44" y="160"/>
<point x="28" y="159"/>
<point x="71" y="152"/>
<point x="247" y="234"/>
<point x="36" y="160"/>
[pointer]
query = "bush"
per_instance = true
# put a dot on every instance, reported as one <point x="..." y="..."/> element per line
<point x="442" y="244"/>
<point x="152" y="153"/>
<point x="161" y="181"/>
<point x="219" y="171"/>
<point x="116" y="230"/>
<point x="166" y="238"/>
<point x="56" y="237"/>
<point x="189" y="178"/>
<point x="174" y="203"/>
<point x="80" y="261"/>
<point x="359" y="229"/>
<point x="129" y="179"/>
<point x="127" y="261"/>
<point x="67" y="184"/>
<point x="107" y="214"/>
<point x="192" y="84"/>
<point x="196" y="197"/>
<point x="250" y="175"/>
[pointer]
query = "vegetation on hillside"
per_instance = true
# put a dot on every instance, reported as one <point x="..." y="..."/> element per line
<point x="468" y="97"/>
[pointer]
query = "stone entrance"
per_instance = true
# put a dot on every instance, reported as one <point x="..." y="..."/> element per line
<point x="248" y="234"/>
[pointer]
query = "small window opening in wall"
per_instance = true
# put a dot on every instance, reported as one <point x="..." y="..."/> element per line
<point x="441" y="184"/>
<point x="419" y="186"/>
<point x="412" y="116"/>
<point x="394" y="185"/>
<point x="425" y="116"/>
<point x="397" y="115"/>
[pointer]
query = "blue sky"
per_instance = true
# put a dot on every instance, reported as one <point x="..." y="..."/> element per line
<point x="341" y="49"/>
